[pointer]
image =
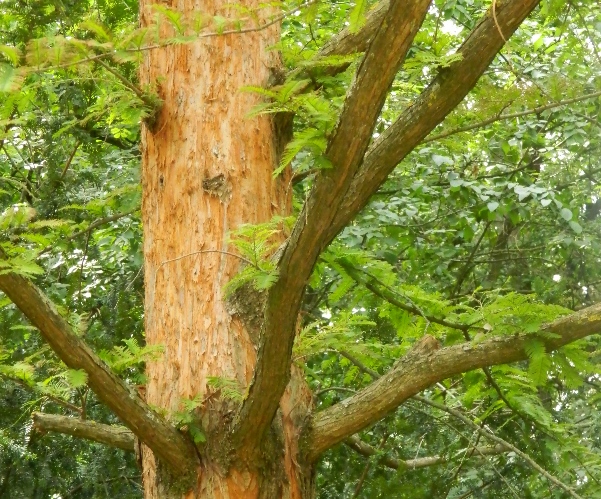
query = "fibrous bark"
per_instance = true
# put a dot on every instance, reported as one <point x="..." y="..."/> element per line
<point x="206" y="170"/>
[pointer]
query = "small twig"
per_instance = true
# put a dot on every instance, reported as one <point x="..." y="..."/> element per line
<point x="68" y="163"/>
<point x="235" y="31"/>
<point x="364" y="449"/>
<point x="300" y="176"/>
<point x="228" y="253"/>
<point x="390" y="298"/>
<point x="419" y="446"/>
<point x="486" y="433"/>
<point x="125" y="81"/>
<point x="536" y="110"/>
<point x="19" y="185"/>
<point x="361" y="481"/>
<point x="130" y="284"/>
<point x="193" y="253"/>
<point x="91" y="227"/>
<point x="56" y="400"/>
<point x="504" y="480"/>
<point x="335" y="388"/>
<point x="466" y="455"/>
<point x="491" y="436"/>
<point x="480" y="487"/>
<point x="362" y="367"/>
<point x="83" y="259"/>
<point x="494" y="16"/>
<point x="199" y="36"/>
<point x="468" y="266"/>
<point x="84" y="400"/>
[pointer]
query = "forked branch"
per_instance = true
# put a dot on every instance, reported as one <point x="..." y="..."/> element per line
<point x="345" y="151"/>
<point x="165" y="441"/>
<point x="349" y="41"/>
<point x="445" y="92"/>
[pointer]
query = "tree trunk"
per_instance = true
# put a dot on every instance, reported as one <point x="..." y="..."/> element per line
<point x="207" y="169"/>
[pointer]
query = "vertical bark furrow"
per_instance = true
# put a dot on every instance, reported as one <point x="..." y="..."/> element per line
<point x="206" y="169"/>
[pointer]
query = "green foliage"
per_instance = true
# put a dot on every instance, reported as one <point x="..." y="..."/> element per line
<point x="357" y="18"/>
<point x="257" y="244"/>
<point x="342" y="334"/>
<point x="494" y="230"/>
<point x="76" y="377"/>
<point x="539" y="361"/>
<point x="187" y="420"/>
<point x="315" y="108"/>
<point x="514" y="313"/>
<point x="130" y="354"/>
<point x="229" y="389"/>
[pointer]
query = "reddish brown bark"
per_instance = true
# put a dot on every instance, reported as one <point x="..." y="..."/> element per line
<point x="207" y="169"/>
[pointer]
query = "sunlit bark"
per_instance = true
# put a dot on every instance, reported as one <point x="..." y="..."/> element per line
<point x="206" y="170"/>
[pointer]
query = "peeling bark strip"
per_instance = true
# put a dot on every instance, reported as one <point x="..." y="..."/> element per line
<point x="207" y="169"/>
<point x="345" y="150"/>
<point x="425" y="365"/>
<point x="446" y="91"/>
<point x="113" y="436"/>
<point x="163" y="439"/>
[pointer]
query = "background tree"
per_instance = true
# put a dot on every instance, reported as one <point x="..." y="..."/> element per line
<point x="319" y="248"/>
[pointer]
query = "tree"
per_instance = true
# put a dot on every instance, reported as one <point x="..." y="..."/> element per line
<point x="235" y="273"/>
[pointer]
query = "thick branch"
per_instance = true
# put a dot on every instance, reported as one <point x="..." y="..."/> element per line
<point x="114" y="436"/>
<point x="359" y="446"/>
<point x="345" y="151"/>
<point x="348" y="42"/>
<point x="425" y="365"/>
<point x="442" y="96"/>
<point x="165" y="441"/>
